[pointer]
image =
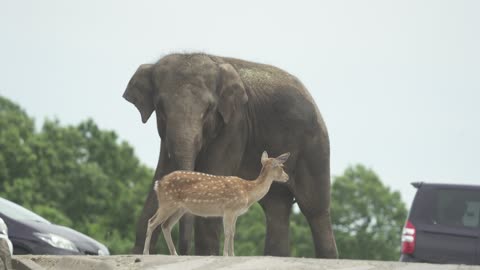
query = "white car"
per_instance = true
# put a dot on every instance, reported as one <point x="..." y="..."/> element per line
<point x="4" y="235"/>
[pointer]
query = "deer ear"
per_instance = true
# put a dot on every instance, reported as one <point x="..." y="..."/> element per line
<point x="282" y="158"/>
<point x="231" y="92"/>
<point x="264" y="157"/>
<point x="139" y="91"/>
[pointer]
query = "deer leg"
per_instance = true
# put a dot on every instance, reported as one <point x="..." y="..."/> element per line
<point x="149" y="209"/>
<point x="232" y="238"/>
<point x="167" y="229"/>
<point x="159" y="217"/>
<point x="228" y="227"/>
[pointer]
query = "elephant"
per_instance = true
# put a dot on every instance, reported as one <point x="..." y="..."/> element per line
<point x="217" y="115"/>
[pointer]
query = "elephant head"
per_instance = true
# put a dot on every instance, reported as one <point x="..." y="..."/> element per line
<point x="195" y="97"/>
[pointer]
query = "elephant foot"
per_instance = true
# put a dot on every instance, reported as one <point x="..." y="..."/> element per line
<point x="137" y="250"/>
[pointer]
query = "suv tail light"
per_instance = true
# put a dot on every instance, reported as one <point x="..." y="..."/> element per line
<point x="408" y="238"/>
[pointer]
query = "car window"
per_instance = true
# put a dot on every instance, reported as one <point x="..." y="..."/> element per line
<point x="457" y="208"/>
<point x="15" y="211"/>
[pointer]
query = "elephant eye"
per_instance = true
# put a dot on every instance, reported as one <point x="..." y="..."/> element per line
<point x="161" y="124"/>
<point x="207" y="111"/>
<point x="160" y="109"/>
<point x="161" y="117"/>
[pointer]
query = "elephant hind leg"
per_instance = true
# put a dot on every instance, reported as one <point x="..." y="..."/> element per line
<point x="207" y="236"/>
<point x="325" y="246"/>
<point x="312" y="193"/>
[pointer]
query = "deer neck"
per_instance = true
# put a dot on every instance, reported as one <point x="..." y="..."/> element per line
<point x="261" y="185"/>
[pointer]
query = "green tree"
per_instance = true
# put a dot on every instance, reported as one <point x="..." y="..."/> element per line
<point x="367" y="216"/>
<point x="78" y="175"/>
<point x="16" y="130"/>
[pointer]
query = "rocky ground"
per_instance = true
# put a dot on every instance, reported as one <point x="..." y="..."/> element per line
<point x="164" y="262"/>
<point x="5" y="259"/>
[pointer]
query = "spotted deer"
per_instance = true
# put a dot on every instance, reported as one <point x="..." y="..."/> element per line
<point x="210" y="196"/>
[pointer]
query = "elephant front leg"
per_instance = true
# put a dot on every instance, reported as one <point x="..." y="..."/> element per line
<point x="164" y="167"/>
<point x="186" y="234"/>
<point x="207" y="236"/>
<point x="277" y="205"/>
<point x="149" y="209"/>
<point x="223" y="157"/>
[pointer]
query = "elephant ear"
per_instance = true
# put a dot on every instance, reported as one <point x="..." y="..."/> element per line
<point x="232" y="92"/>
<point x="139" y="91"/>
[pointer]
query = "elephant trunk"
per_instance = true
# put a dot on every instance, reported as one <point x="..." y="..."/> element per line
<point x="183" y="145"/>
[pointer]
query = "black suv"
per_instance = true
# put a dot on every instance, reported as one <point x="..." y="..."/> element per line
<point x="443" y="225"/>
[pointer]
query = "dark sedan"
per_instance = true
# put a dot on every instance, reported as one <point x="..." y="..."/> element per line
<point x="32" y="234"/>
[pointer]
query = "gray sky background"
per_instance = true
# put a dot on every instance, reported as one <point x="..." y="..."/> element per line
<point x="398" y="82"/>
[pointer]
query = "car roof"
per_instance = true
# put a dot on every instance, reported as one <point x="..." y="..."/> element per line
<point x="444" y="185"/>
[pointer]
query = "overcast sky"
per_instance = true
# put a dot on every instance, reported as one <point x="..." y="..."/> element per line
<point x="397" y="82"/>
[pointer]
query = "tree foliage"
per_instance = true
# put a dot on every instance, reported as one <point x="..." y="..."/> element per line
<point x="78" y="176"/>
<point x="367" y="216"/>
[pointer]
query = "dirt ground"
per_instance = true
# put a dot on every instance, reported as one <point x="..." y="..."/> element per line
<point x="164" y="262"/>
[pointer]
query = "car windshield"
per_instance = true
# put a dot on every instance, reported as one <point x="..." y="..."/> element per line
<point x="15" y="211"/>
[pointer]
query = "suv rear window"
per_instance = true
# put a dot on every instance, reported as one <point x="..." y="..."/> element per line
<point x="456" y="208"/>
<point x="448" y="206"/>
